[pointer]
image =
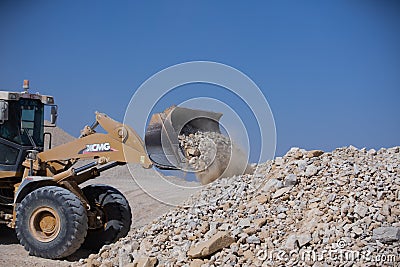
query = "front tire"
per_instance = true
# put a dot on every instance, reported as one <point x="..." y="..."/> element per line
<point x="51" y="222"/>
<point x="115" y="213"/>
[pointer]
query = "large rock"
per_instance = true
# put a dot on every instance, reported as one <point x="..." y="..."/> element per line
<point x="217" y="242"/>
<point x="314" y="153"/>
<point x="311" y="170"/>
<point x="386" y="234"/>
<point x="272" y="185"/>
<point x="280" y="192"/>
<point x="361" y="210"/>
<point x="290" y="180"/>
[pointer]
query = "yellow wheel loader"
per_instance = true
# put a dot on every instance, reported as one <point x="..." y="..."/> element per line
<point x="40" y="193"/>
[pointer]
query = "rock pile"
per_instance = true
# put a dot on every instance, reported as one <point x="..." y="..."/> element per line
<point x="212" y="155"/>
<point x="305" y="208"/>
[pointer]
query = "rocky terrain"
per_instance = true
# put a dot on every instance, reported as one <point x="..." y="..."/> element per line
<point x="307" y="208"/>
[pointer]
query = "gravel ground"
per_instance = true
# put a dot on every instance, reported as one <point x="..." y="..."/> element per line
<point x="308" y="208"/>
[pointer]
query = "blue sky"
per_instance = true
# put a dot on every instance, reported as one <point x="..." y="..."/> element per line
<point x="330" y="70"/>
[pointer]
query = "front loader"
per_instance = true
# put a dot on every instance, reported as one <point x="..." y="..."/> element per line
<point x="40" y="193"/>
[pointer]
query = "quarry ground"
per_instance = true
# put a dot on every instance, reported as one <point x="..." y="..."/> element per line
<point x="346" y="199"/>
<point x="144" y="209"/>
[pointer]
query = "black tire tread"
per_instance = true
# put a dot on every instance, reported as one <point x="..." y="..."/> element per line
<point x="109" y="194"/>
<point x="75" y="212"/>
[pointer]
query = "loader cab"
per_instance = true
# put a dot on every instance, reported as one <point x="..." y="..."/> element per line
<point x="21" y="128"/>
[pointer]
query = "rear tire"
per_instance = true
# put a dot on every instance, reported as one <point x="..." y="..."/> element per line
<point x="117" y="217"/>
<point x="51" y="222"/>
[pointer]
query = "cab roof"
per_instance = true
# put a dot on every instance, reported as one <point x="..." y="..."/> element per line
<point x="14" y="96"/>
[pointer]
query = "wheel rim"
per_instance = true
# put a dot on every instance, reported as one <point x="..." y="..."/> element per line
<point x="44" y="224"/>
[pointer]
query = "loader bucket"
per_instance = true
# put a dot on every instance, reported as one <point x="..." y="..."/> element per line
<point x="161" y="138"/>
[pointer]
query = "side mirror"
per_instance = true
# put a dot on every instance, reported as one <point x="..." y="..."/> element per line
<point x="3" y="111"/>
<point x="53" y="115"/>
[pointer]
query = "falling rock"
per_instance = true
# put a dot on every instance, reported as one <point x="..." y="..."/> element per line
<point x="387" y="234"/>
<point x="314" y="153"/>
<point x="192" y="161"/>
<point x="193" y="152"/>
<point x="217" y="242"/>
<point x="290" y="180"/>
